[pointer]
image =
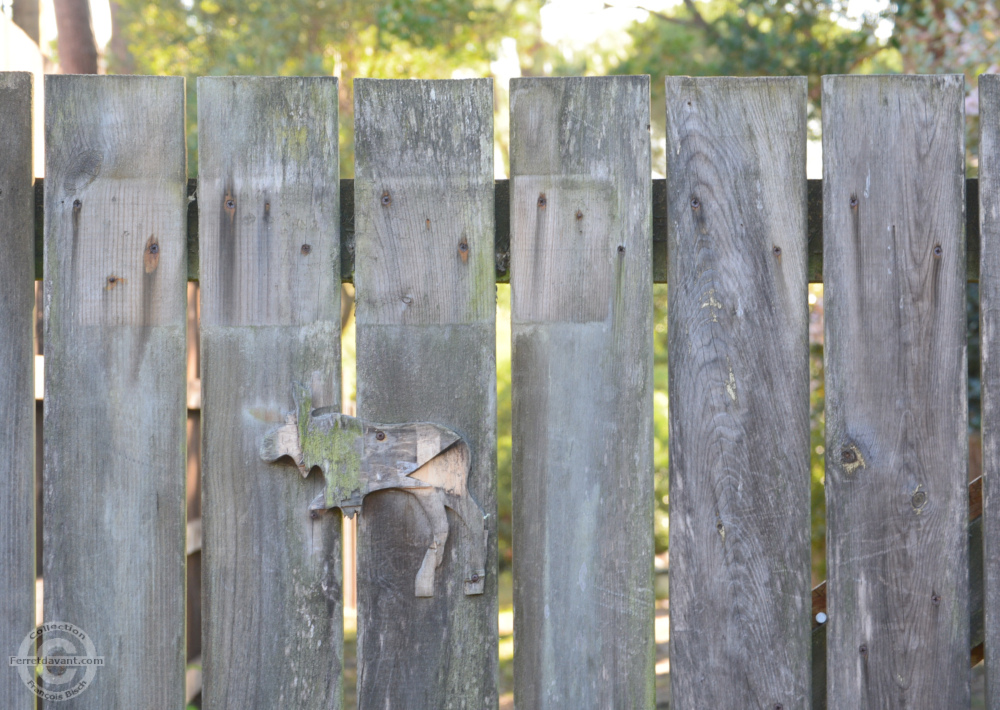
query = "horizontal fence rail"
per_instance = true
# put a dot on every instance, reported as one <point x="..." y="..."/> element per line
<point x="581" y="233"/>
<point x="814" y="229"/>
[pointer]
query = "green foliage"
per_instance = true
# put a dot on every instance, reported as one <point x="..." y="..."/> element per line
<point x="504" y="438"/>
<point x="430" y="39"/>
<point x="661" y="454"/>
<point x="751" y="38"/>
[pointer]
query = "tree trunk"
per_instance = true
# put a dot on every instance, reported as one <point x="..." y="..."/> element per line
<point x="120" y="60"/>
<point x="25" y="15"/>
<point x="77" y="46"/>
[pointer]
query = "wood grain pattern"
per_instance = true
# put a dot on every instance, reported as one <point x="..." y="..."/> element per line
<point x="270" y="264"/>
<point x="582" y="392"/>
<point x="896" y="414"/>
<point x="989" y="339"/>
<point x="739" y="393"/>
<point x="113" y="548"/>
<point x="426" y="352"/>
<point x="17" y="396"/>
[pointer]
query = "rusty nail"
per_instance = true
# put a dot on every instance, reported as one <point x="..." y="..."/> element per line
<point x="386" y="199"/>
<point x="77" y="205"/>
<point x="230" y="204"/>
<point x="938" y="250"/>
<point x="848" y="456"/>
<point x="542" y="201"/>
<point x="621" y="249"/>
<point x="112" y="279"/>
<point x="306" y="248"/>
<point x="313" y="514"/>
<point x="154" y="248"/>
<point x="777" y="250"/>
<point x="935" y="599"/>
<point x="695" y="203"/>
<point x="463" y="247"/>
<point x="380" y="435"/>
<point x="267" y="206"/>
<point x="579" y="214"/>
<point x="854" y="201"/>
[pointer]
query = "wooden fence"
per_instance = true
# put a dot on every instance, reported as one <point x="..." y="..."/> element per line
<point x="425" y="232"/>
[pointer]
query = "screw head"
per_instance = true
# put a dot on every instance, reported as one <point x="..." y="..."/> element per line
<point x="230" y="204"/>
<point x="386" y="199"/>
<point x="848" y="456"/>
<point x="380" y="435"/>
<point x="154" y="248"/>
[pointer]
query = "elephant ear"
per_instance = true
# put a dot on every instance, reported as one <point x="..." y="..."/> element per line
<point x="283" y="441"/>
<point x="286" y="440"/>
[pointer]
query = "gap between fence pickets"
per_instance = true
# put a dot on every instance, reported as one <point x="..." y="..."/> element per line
<point x="975" y="577"/>
<point x="502" y="236"/>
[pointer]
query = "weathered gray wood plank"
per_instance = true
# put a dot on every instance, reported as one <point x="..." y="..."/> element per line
<point x="426" y="352"/>
<point x="581" y="289"/>
<point x="896" y="413"/>
<point x="989" y="335"/>
<point x="270" y="318"/>
<point x="17" y="396"/>
<point x="976" y="601"/>
<point x="113" y="550"/>
<point x="739" y="393"/>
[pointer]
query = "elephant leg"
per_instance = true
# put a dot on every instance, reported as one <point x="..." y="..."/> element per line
<point x="432" y="501"/>
<point x="475" y="521"/>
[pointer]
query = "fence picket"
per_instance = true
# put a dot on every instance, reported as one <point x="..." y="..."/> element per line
<point x="115" y="282"/>
<point x="17" y="396"/>
<point x="581" y="289"/>
<point x="426" y="352"/>
<point x="270" y="318"/>
<point x="896" y="441"/>
<point x="989" y="333"/>
<point x="739" y="393"/>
